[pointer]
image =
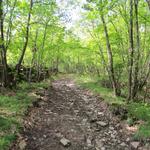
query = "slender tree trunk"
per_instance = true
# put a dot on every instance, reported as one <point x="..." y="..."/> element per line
<point x="26" y="38"/>
<point x="121" y="44"/>
<point x="137" y="54"/>
<point x="101" y="53"/>
<point x="110" y="59"/>
<point x="33" y="57"/>
<point x="104" y="62"/>
<point x="131" y="53"/>
<point x="9" y="29"/>
<point x="2" y="46"/>
<point x="40" y="61"/>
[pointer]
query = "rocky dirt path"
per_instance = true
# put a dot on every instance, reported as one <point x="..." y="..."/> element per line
<point x="69" y="118"/>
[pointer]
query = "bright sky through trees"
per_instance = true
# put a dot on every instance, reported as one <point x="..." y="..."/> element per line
<point x="72" y="13"/>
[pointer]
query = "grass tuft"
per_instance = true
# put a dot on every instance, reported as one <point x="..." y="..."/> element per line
<point x="136" y="111"/>
<point x="13" y="105"/>
<point x="143" y="132"/>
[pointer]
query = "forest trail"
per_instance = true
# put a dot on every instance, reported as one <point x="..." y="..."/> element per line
<point x="71" y="118"/>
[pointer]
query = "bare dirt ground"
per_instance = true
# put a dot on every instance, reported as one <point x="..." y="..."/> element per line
<point x="70" y="118"/>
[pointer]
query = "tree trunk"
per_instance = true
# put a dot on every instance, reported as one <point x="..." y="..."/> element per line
<point x="33" y="57"/>
<point x="40" y="61"/>
<point x="110" y="59"/>
<point x="26" y="38"/>
<point x="10" y="24"/>
<point x="2" y="46"/>
<point x="136" y="70"/>
<point x="131" y="53"/>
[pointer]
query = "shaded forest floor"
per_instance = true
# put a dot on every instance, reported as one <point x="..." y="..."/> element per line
<point x="72" y="118"/>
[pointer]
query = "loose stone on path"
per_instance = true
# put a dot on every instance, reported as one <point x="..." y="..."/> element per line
<point x="135" y="145"/>
<point x="65" y="142"/>
<point x="101" y="123"/>
<point x="69" y="118"/>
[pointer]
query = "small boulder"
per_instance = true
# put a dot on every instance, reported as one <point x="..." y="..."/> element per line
<point x="135" y="145"/>
<point x="65" y="142"/>
<point x="128" y="139"/>
<point x="89" y="142"/>
<point x="123" y="144"/>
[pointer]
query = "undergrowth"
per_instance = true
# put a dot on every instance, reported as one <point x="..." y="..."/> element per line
<point x="139" y="111"/>
<point x="13" y="105"/>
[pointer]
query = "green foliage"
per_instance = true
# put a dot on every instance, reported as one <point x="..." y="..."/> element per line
<point x="130" y="121"/>
<point x="140" y="111"/>
<point x="7" y="123"/>
<point x="80" y="49"/>
<point x="136" y="111"/>
<point x="143" y="132"/>
<point x="6" y="140"/>
<point x="94" y="85"/>
<point x="33" y="86"/>
<point x="13" y="106"/>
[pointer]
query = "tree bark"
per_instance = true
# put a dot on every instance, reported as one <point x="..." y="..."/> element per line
<point x="40" y="61"/>
<point x="26" y="38"/>
<point x="110" y="59"/>
<point x="136" y="70"/>
<point x="2" y="46"/>
<point x="33" y="57"/>
<point x="131" y="53"/>
<point x="9" y="29"/>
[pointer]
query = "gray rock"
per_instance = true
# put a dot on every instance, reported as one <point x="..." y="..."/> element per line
<point x="106" y="133"/>
<point x="84" y="121"/>
<point x="128" y="139"/>
<point x="119" y="141"/>
<point x="22" y="144"/>
<point x="34" y="138"/>
<point x="111" y="128"/>
<point x="101" y="113"/>
<point x="103" y="140"/>
<point x="65" y="142"/>
<point x="99" y="143"/>
<point x="101" y="123"/>
<point x="113" y="136"/>
<point x="135" y="145"/>
<point x="102" y="148"/>
<point x="59" y="135"/>
<point x="123" y="144"/>
<point x="89" y="142"/>
<point x="76" y="112"/>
